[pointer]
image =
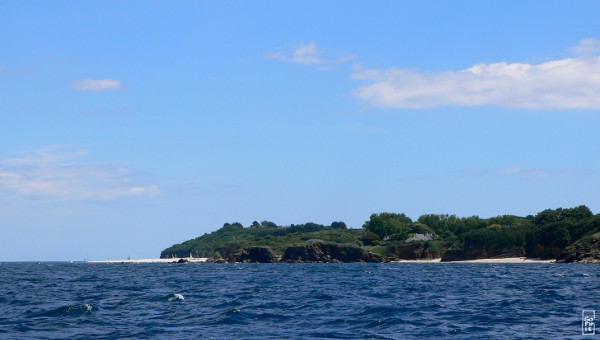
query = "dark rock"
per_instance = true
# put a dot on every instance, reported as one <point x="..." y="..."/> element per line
<point x="416" y="251"/>
<point x="410" y="252"/>
<point x="257" y="254"/>
<point x="321" y="252"/>
<point x="545" y="252"/>
<point x="216" y="260"/>
<point x="183" y="261"/>
<point x="584" y="250"/>
<point x="481" y="253"/>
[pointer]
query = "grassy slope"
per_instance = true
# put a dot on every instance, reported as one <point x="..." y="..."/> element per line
<point x="227" y="241"/>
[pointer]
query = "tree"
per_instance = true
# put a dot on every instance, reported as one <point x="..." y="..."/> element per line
<point x="386" y="224"/>
<point x="494" y="226"/>
<point x="369" y="238"/>
<point x="578" y="213"/>
<point x="338" y="225"/>
<point x="548" y="216"/>
<point x="554" y="234"/>
<point x="268" y="224"/>
<point x="232" y="226"/>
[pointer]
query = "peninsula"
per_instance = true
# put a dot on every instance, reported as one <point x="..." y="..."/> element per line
<point x="564" y="235"/>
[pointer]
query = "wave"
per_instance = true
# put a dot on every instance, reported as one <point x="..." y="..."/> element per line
<point x="66" y="311"/>
<point x="175" y="297"/>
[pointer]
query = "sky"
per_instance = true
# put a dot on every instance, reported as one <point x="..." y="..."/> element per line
<point x="127" y="127"/>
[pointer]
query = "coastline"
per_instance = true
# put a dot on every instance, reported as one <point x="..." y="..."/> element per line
<point x="438" y="260"/>
<point x="170" y="260"/>
<point x="491" y="260"/>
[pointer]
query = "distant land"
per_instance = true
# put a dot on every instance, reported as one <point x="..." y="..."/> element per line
<point x="565" y="235"/>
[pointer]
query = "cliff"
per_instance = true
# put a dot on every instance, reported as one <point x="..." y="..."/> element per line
<point x="390" y="236"/>
<point x="481" y="253"/>
<point x="585" y="250"/>
<point x="320" y="252"/>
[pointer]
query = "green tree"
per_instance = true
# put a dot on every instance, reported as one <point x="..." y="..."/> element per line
<point x="268" y="224"/>
<point x="369" y="238"/>
<point x="338" y="225"/>
<point x="578" y="213"/>
<point x="386" y="224"/>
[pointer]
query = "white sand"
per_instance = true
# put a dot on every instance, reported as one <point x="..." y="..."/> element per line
<point x="189" y="259"/>
<point x="508" y="260"/>
<point x="498" y="260"/>
<point x="419" y="261"/>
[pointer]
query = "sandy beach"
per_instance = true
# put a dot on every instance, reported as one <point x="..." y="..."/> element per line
<point x="498" y="260"/>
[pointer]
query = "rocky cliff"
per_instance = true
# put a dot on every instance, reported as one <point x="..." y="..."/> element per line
<point x="481" y="253"/>
<point x="257" y="254"/>
<point x="322" y="252"/>
<point x="585" y="250"/>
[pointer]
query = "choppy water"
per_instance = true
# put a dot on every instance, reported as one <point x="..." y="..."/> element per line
<point x="84" y="300"/>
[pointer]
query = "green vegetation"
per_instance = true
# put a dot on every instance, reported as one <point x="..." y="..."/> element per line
<point x="232" y="238"/>
<point x="394" y="235"/>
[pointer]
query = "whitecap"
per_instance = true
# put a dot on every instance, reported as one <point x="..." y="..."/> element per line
<point x="176" y="297"/>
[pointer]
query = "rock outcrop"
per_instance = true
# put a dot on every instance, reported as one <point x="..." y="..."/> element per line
<point x="323" y="252"/>
<point x="481" y="253"/>
<point x="544" y="252"/>
<point x="415" y="251"/>
<point x="584" y="250"/>
<point x="257" y="254"/>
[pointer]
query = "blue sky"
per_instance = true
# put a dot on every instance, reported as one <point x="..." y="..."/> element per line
<point x="127" y="127"/>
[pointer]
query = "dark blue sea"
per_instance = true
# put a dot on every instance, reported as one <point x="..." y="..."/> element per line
<point x="227" y="301"/>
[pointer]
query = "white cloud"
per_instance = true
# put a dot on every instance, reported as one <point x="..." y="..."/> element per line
<point x="571" y="83"/>
<point x="44" y="156"/>
<point x="347" y="58"/>
<point x="44" y="175"/>
<point x="301" y="54"/>
<point x="587" y="47"/>
<point x="310" y="54"/>
<point x="97" y="85"/>
<point x="307" y="54"/>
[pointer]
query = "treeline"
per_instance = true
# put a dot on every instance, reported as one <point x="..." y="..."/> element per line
<point x="544" y="235"/>
<point x="233" y="237"/>
<point x="396" y="235"/>
<point x="283" y="230"/>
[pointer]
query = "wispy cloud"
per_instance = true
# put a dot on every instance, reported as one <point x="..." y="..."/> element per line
<point x="44" y="156"/>
<point x="570" y="83"/>
<point x="347" y="58"/>
<point x="46" y="175"/>
<point x="587" y="47"/>
<point x="537" y="173"/>
<point x="97" y="85"/>
<point x="307" y="54"/>
<point x="301" y="54"/>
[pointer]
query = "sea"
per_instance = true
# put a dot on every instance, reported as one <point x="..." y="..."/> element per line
<point x="51" y="300"/>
